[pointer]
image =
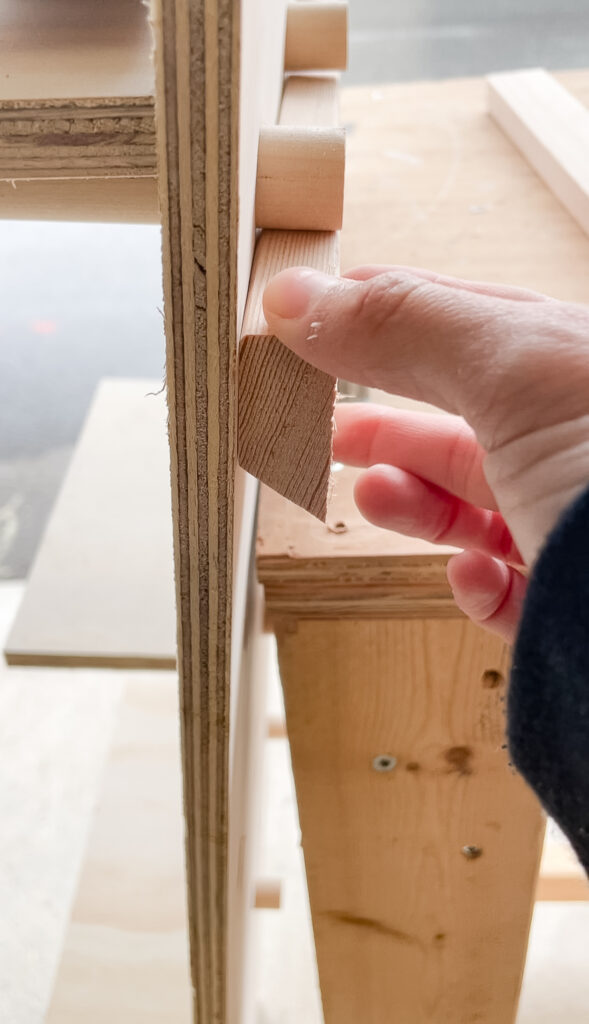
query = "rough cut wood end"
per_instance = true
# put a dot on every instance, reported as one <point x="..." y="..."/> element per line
<point x="285" y="417"/>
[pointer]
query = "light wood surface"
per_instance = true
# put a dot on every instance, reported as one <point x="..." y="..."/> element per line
<point x="213" y="92"/>
<point x="300" y="183"/>
<point x="68" y="50"/>
<point x="447" y="190"/>
<point x="345" y="567"/>
<point x="101" y="590"/>
<point x="421" y="878"/>
<point x="76" y="92"/>
<point x="100" y="200"/>
<point x="285" y="406"/>
<point x="561" y="875"/>
<point x="551" y="128"/>
<point x="316" y="36"/>
<point x="125" y="955"/>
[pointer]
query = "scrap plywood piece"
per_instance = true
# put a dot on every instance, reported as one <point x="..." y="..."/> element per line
<point x="76" y="93"/>
<point x="421" y="844"/>
<point x="551" y="128"/>
<point x="285" y="406"/>
<point x="101" y="590"/>
<point x="77" y="133"/>
<point x="125" y="957"/>
<point x="213" y="93"/>
<point x="561" y="875"/>
<point x="125" y="954"/>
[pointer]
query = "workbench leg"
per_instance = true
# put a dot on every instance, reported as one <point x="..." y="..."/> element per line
<point x="421" y="843"/>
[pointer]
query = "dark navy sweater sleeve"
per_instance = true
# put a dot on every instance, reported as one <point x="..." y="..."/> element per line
<point x="548" y="702"/>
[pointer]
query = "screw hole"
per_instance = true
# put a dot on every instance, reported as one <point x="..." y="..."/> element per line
<point x="492" y="679"/>
<point x="384" y="763"/>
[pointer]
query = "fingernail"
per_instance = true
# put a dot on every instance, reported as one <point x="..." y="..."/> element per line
<point x="292" y="293"/>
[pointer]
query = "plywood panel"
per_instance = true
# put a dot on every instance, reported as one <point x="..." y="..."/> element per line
<point x="101" y="590"/>
<point x="125" y="955"/>
<point x="213" y="92"/>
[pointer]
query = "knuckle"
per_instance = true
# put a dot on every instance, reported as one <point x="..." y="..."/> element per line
<point x="381" y="299"/>
<point x="463" y="460"/>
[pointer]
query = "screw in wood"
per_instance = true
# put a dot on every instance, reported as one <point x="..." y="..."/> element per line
<point x="384" y="763"/>
<point x="471" y="852"/>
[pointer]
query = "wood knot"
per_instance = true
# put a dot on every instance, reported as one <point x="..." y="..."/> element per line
<point x="492" y="679"/>
<point x="459" y="759"/>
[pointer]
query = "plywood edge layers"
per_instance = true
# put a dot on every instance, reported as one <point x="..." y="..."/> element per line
<point x="101" y="137"/>
<point x="197" y="60"/>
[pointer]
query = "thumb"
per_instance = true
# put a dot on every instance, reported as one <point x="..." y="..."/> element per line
<point x="403" y="333"/>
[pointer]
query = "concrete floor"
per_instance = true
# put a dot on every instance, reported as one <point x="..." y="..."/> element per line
<point x="82" y="301"/>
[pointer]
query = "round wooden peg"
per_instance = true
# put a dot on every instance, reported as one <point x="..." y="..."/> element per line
<point x="316" y="36"/>
<point x="300" y="180"/>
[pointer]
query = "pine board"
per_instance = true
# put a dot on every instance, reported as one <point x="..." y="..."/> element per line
<point x="407" y="926"/>
<point x="550" y="127"/>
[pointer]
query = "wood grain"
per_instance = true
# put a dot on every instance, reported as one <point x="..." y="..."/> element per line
<point x="101" y="589"/>
<point x="316" y="36"/>
<point x="125" y="955"/>
<point x="76" y="94"/>
<point x="421" y="878"/>
<point x="212" y="95"/>
<point x="300" y="180"/>
<point x="101" y="200"/>
<point x="450" y="192"/>
<point x="346" y="568"/>
<point x="551" y="128"/>
<point x="285" y="405"/>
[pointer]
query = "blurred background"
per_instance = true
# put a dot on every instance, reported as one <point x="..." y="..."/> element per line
<point x="80" y="302"/>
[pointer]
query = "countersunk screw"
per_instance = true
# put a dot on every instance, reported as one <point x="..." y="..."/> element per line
<point x="384" y="763"/>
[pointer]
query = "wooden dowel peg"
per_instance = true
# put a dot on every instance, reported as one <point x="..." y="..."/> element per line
<point x="316" y="36"/>
<point x="300" y="180"/>
<point x="268" y="894"/>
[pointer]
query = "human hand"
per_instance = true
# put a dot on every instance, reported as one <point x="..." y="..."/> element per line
<point x="511" y="366"/>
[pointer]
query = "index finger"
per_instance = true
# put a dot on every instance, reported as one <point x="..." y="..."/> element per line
<point x="437" y="447"/>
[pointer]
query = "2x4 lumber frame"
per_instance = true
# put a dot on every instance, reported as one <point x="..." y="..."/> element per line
<point x="551" y="128"/>
<point x="421" y="844"/>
